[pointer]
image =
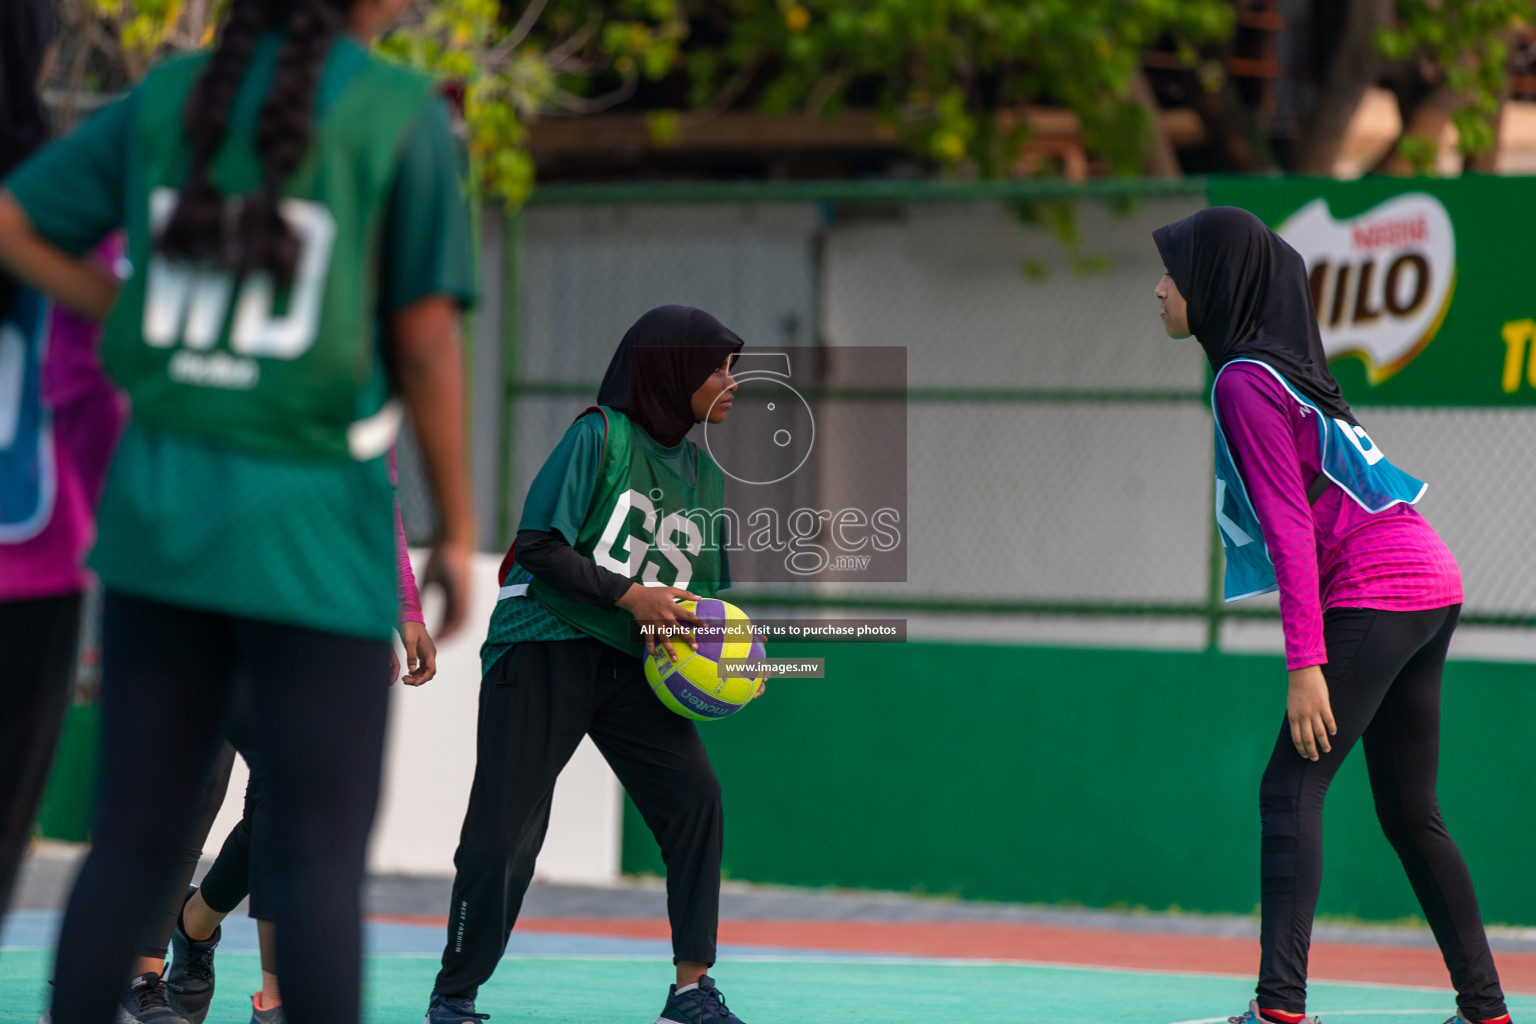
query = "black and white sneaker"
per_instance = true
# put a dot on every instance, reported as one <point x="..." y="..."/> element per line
<point x="189" y="982"/>
<point x="698" y="1005"/>
<point x="145" y="1003"/>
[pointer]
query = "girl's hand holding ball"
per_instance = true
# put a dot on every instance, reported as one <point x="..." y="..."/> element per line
<point x="658" y="607"/>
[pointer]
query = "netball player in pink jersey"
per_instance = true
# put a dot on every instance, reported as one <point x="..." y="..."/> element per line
<point x="1369" y="598"/>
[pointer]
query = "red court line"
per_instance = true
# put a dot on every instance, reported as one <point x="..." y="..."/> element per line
<point x="1330" y="961"/>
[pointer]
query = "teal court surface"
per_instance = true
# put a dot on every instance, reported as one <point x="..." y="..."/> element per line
<point x="575" y="977"/>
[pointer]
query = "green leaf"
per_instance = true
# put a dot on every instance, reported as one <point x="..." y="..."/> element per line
<point x="661" y="126"/>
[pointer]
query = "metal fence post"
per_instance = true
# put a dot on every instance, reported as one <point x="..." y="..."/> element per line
<point x="1214" y="604"/>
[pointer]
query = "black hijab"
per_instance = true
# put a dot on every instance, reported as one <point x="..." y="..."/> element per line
<point x="662" y="361"/>
<point x="26" y="28"/>
<point x="1249" y="297"/>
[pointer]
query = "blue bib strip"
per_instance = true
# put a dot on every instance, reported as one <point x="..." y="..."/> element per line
<point x="28" y="483"/>
<point x="1350" y="459"/>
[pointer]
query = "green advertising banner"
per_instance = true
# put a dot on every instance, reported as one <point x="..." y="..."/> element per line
<point x="1424" y="295"/>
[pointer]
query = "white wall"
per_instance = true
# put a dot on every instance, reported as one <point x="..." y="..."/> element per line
<point x="430" y="763"/>
<point x="1039" y="501"/>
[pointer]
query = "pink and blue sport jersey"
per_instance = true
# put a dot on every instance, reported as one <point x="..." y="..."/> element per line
<point x="1350" y="460"/>
<point x="1335" y="553"/>
<point x="60" y="419"/>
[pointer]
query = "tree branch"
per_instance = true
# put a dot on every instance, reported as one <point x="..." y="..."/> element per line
<point x="1353" y="70"/>
<point x="1425" y="119"/>
<point x="1161" y="161"/>
<point x="525" y="23"/>
<point x="571" y="103"/>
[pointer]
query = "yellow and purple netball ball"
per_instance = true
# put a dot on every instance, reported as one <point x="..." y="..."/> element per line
<point x="688" y="681"/>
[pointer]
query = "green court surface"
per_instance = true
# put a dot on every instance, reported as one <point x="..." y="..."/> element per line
<point x="792" y="990"/>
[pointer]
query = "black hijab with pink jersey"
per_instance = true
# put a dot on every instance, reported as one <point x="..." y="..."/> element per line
<point x="1249" y="298"/>
<point x="664" y="358"/>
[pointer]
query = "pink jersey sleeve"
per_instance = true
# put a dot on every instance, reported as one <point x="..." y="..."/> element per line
<point x="1257" y="417"/>
<point x="405" y="578"/>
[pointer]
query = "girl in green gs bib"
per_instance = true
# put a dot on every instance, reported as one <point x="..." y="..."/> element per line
<point x="299" y="252"/>
<point x="561" y="661"/>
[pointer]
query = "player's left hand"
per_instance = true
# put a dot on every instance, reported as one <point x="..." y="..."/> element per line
<point x="1309" y="712"/>
<point x="420" y="654"/>
<point x="762" y="688"/>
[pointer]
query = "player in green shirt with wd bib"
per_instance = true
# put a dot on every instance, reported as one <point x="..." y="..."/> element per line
<point x="293" y="230"/>
<point x="605" y="541"/>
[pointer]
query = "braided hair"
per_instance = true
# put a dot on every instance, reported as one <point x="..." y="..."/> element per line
<point x="255" y="236"/>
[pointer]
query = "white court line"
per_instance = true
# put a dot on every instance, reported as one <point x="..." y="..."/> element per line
<point x="1328" y="1013"/>
<point x="875" y="958"/>
<point x="791" y="958"/>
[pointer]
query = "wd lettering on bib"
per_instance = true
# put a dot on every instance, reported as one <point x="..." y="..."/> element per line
<point x="189" y="306"/>
<point x="284" y="370"/>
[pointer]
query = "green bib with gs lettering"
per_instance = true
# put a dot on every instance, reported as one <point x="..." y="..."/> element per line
<point x="648" y="523"/>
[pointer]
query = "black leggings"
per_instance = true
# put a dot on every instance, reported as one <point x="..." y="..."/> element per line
<point x="536" y="703"/>
<point x="158" y="941"/>
<point x="318" y="705"/>
<point x="229" y="880"/>
<point x="35" y="675"/>
<point x="1383" y="676"/>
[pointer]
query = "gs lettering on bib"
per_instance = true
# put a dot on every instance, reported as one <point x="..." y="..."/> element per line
<point x="645" y="522"/>
<point x="1350" y="459"/>
<point x="28" y="481"/>
<point x="634" y="532"/>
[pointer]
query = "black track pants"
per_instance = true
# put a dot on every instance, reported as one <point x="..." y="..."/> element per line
<point x="1383" y="677"/>
<point x="318" y="702"/>
<point x="536" y="704"/>
<point x="35" y="676"/>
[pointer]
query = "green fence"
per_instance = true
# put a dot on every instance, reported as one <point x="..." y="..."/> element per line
<point x="1098" y="778"/>
<point x="1040" y="383"/>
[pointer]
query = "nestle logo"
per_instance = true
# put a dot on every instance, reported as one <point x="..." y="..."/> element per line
<point x="1381" y="281"/>
<point x="1389" y="234"/>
